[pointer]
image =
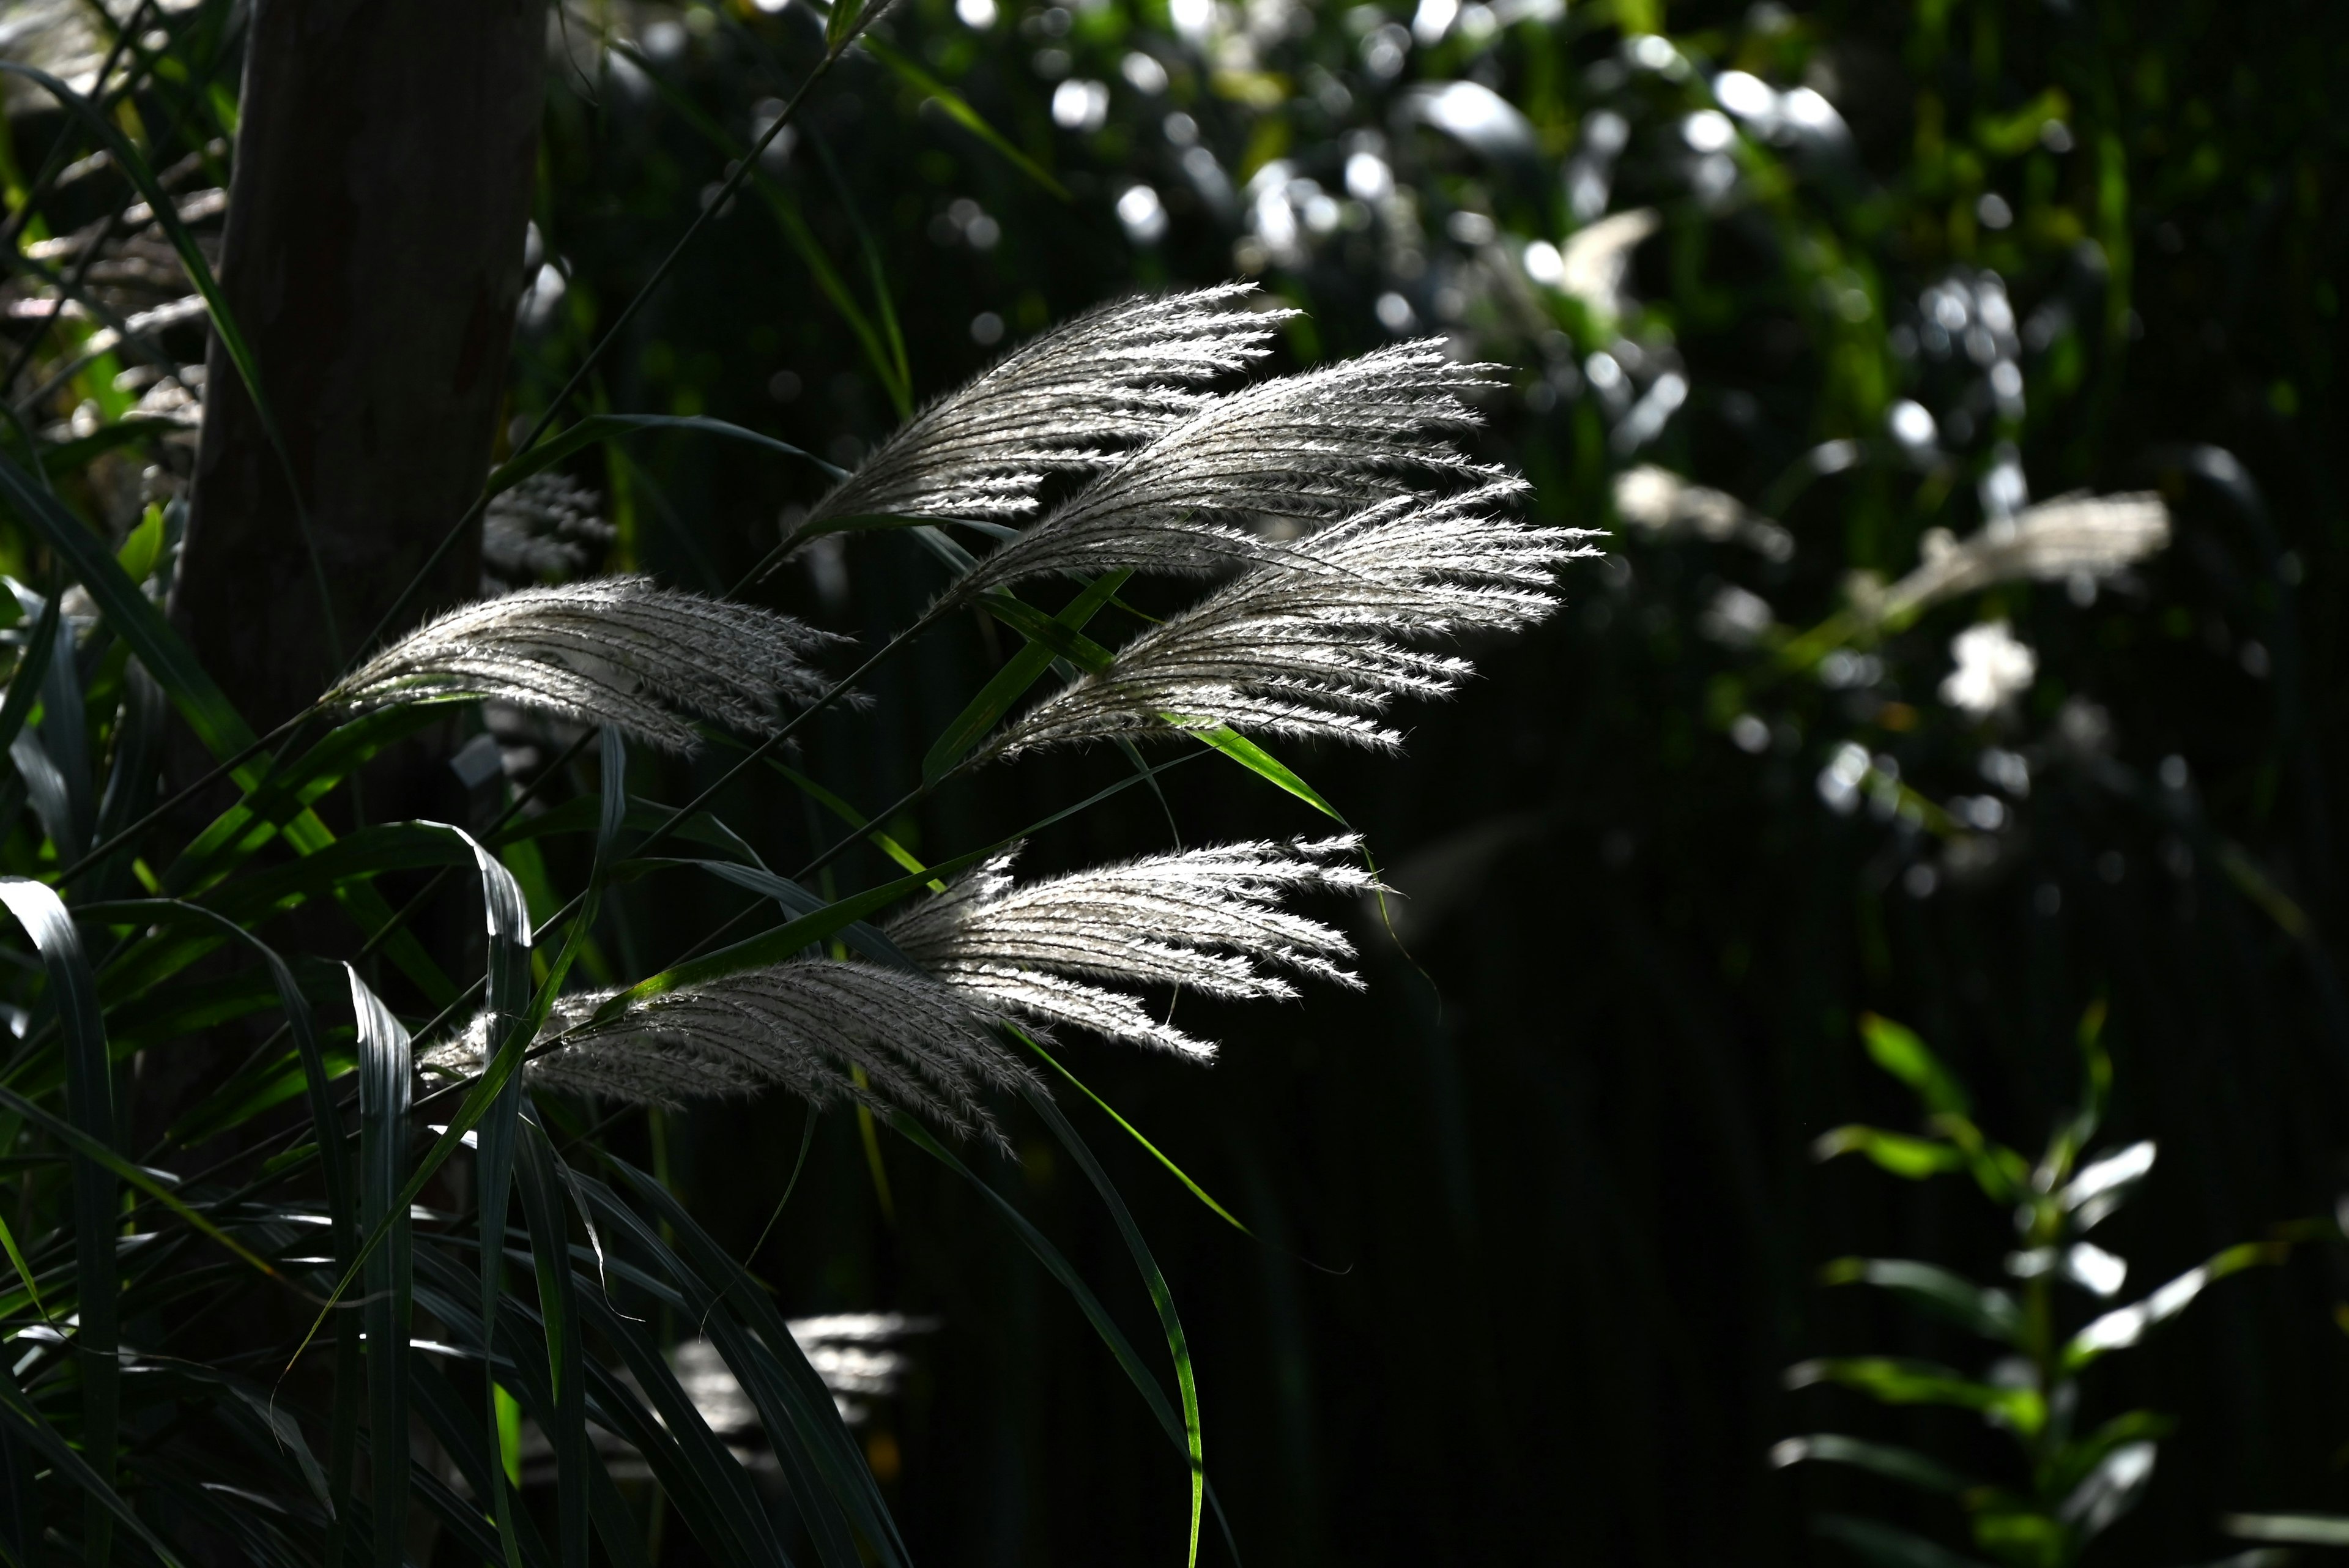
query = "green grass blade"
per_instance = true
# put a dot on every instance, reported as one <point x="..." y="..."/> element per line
<point x="385" y="1073"/>
<point x="24" y="685"/>
<point x="962" y="114"/>
<point x="90" y="1100"/>
<point x="1178" y="1345"/>
<point x="1011" y="682"/>
<point x="1108" y="1110"/>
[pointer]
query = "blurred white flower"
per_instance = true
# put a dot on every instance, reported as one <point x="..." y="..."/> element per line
<point x="1993" y="669"/>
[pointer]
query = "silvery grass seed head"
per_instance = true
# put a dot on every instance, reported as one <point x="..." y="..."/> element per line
<point x="1307" y="448"/>
<point x="1206" y="919"/>
<point x="1071" y="401"/>
<point x="2079" y="535"/>
<point x="804" y="1026"/>
<point x="622" y="651"/>
<point x="1316" y="644"/>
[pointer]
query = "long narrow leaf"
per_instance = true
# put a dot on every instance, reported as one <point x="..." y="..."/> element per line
<point x="385" y="1074"/>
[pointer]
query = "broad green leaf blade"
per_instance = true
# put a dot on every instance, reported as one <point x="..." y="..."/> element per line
<point x="596" y="428"/>
<point x="386" y="1071"/>
<point x="90" y="1101"/>
<point x="1901" y="1052"/>
<point x="1985" y="1310"/>
<point x="1904" y="1465"/>
<point x="2124" y="1326"/>
<point x="1911" y="1158"/>
<point x="1894" y="1381"/>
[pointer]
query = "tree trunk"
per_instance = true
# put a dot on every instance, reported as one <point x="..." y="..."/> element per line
<point x="385" y="162"/>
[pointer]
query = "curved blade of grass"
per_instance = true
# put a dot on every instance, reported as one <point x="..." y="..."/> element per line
<point x="1898" y="1464"/>
<point x="1161" y="1296"/>
<point x="962" y="114"/>
<point x="792" y="1398"/>
<point x="1108" y="1110"/>
<point x="90" y="1100"/>
<point x="609" y="427"/>
<point x="385" y="1073"/>
<point x="1988" y="1311"/>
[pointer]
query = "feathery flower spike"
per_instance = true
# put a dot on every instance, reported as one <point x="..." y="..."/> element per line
<point x="1315" y="645"/>
<point x="801" y="1026"/>
<point x="1208" y="919"/>
<point x="2071" y="535"/>
<point x="1072" y="400"/>
<point x="1309" y="448"/>
<point x="622" y="652"/>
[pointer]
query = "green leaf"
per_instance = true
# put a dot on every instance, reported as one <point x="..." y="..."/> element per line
<point x="1197" y="1192"/>
<point x="597" y="427"/>
<point x="1986" y="1311"/>
<point x="2124" y="1326"/>
<point x="2299" y="1529"/>
<point x="1892" y="1381"/>
<point x="1264" y="764"/>
<point x="1903" y="1465"/>
<point x="90" y="1100"/>
<point x="1912" y="1158"/>
<point x="1177" y="1344"/>
<point x="558" y="1310"/>
<point x="24" y="685"/>
<point x="1021" y="671"/>
<point x="1898" y="1051"/>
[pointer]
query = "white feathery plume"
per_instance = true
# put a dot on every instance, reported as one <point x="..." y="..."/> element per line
<point x="1311" y="448"/>
<point x="803" y="1026"/>
<point x="1206" y="919"/>
<point x="622" y="650"/>
<point x="1314" y="644"/>
<point x="1071" y="399"/>
<point x="2071" y="535"/>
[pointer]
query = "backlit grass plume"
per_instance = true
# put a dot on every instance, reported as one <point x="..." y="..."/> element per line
<point x="1318" y="643"/>
<point x="622" y="652"/>
<point x="1072" y="400"/>
<point x="2073" y="536"/>
<point x="1307" y="448"/>
<point x="1207" y="920"/>
<point x="805" y="1026"/>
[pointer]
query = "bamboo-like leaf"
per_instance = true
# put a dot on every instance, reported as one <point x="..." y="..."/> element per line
<point x="1898" y="1051"/>
<point x="1985" y="1310"/>
<point x="1894" y="1381"/>
<point x="90" y="1100"/>
<point x="1911" y="1158"/>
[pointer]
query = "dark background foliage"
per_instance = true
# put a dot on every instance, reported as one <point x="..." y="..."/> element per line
<point x="1537" y="1221"/>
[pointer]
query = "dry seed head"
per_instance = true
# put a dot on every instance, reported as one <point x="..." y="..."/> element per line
<point x="622" y="652"/>
<point x="2071" y="535"/>
<point x="1309" y="448"/>
<point x="1072" y="400"/>
<point x="1206" y="919"/>
<point x="1315" y="644"/>
<point x="804" y="1026"/>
